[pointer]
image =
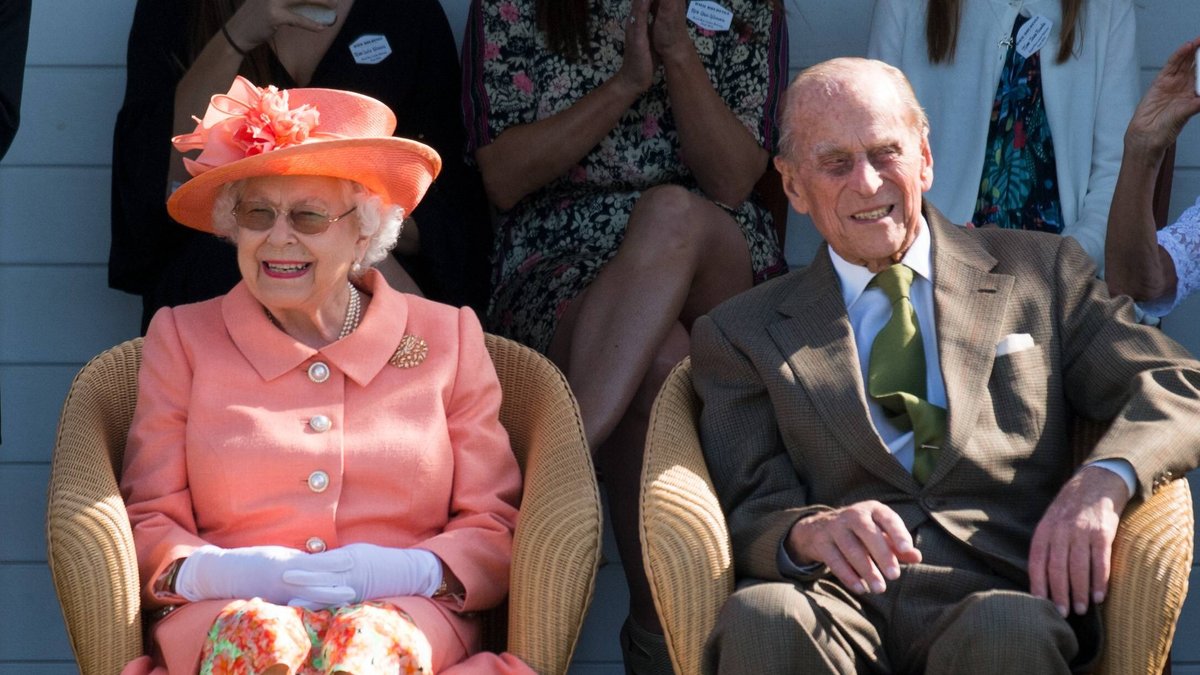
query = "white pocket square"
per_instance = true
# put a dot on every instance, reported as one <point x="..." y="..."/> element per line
<point x="1013" y="343"/>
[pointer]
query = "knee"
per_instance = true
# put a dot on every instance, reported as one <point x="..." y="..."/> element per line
<point x="761" y="627"/>
<point x="664" y="215"/>
<point x="752" y="614"/>
<point x="984" y="629"/>
<point x="278" y="633"/>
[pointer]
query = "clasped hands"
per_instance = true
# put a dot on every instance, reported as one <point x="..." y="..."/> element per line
<point x="864" y="544"/>
<point x="282" y="575"/>
<point x="647" y="43"/>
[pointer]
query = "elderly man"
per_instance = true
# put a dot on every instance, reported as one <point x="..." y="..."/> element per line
<point x="887" y="428"/>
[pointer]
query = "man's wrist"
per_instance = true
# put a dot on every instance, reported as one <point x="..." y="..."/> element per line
<point x="1122" y="468"/>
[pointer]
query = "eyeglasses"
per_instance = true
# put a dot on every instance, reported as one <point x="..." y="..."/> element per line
<point x="262" y="217"/>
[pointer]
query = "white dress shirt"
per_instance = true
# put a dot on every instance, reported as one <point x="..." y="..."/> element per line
<point x="870" y="309"/>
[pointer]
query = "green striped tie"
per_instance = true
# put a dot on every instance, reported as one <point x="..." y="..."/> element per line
<point x="896" y="373"/>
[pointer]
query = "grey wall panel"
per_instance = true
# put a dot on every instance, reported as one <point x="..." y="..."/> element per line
<point x="62" y="315"/>
<point x="33" y="397"/>
<point x="33" y="629"/>
<point x="67" y="223"/>
<point x="67" y="116"/>
<point x="23" y="503"/>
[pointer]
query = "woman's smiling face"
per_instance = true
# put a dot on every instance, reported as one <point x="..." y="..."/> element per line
<point x="292" y="272"/>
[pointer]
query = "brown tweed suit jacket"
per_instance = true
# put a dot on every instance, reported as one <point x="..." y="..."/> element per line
<point x="785" y="426"/>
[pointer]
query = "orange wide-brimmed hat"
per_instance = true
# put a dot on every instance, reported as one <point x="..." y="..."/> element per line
<point x="251" y="132"/>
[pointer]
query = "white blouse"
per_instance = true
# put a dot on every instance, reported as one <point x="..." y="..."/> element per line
<point x="1182" y="242"/>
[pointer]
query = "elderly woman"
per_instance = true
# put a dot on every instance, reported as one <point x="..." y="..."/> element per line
<point x="316" y="475"/>
<point x="1158" y="269"/>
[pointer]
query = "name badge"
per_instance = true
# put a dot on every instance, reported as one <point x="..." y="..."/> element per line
<point x="370" y="49"/>
<point x="709" y="15"/>
<point x="1033" y="35"/>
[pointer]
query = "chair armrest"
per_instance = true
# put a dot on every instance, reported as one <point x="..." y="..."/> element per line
<point x="1152" y="557"/>
<point x="556" y="546"/>
<point x="685" y="540"/>
<point x="90" y="545"/>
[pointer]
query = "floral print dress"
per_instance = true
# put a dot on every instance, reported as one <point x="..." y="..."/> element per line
<point x="1019" y="186"/>
<point x="251" y="636"/>
<point x="552" y="244"/>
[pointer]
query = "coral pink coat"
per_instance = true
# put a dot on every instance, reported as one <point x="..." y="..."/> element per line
<point x="221" y="450"/>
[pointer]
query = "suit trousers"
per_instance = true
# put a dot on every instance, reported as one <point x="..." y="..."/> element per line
<point x="948" y="614"/>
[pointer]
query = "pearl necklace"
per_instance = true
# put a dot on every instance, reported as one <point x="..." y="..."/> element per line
<point x="353" y="313"/>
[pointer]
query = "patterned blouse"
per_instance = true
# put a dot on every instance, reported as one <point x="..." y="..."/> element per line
<point x="1019" y="186"/>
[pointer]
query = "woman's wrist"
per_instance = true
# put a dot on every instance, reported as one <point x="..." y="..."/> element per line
<point x="625" y="88"/>
<point x="1144" y="146"/>
<point x="450" y="585"/>
<point x="166" y="581"/>
<point x="682" y="56"/>
<point x="232" y="42"/>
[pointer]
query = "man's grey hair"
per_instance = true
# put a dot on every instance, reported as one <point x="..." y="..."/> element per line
<point x="829" y="79"/>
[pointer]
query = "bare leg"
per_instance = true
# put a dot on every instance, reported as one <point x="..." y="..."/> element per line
<point x="681" y="256"/>
<point x="619" y="339"/>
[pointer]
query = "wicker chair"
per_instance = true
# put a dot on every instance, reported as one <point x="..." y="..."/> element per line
<point x="687" y="554"/>
<point x="556" y="548"/>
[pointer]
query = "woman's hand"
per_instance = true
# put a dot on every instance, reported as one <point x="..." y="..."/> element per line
<point x="1134" y="263"/>
<point x="1167" y="105"/>
<point x="638" y="61"/>
<point x="214" y="573"/>
<point x="256" y="21"/>
<point x="359" y="572"/>
<point x="671" y="39"/>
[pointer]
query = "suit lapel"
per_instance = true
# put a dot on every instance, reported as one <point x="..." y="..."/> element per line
<point x="817" y="341"/>
<point x="969" y="308"/>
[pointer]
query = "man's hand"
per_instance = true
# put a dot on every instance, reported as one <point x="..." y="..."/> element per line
<point x="863" y="544"/>
<point x="1071" y="553"/>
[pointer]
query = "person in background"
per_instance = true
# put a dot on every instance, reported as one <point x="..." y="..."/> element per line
<point x="1027" y="101"/>
<point x="180" y="52"/>
<point x="1157" y="268"/>
<point x="316" y="475"/>
<point x="621" y="143"/>
<point x="14" y="38"/>
<point x="887" y="429"/>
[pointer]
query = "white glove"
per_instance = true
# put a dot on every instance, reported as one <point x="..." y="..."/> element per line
<point x="214" y="573"/>
<point x="367" y="572"/>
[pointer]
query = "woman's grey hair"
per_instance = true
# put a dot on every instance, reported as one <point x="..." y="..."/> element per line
<point x="377" y="220"/>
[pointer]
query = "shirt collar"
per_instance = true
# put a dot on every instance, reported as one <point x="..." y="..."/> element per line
<point x="361" y="355"/>
<point x="854" y="278"/>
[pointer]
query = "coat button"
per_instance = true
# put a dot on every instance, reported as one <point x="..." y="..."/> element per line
<point x="320" y="424"/>
<point x="315" y="544"/>
<point x="318" y="481"/>
<point x="318" y="372"/>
